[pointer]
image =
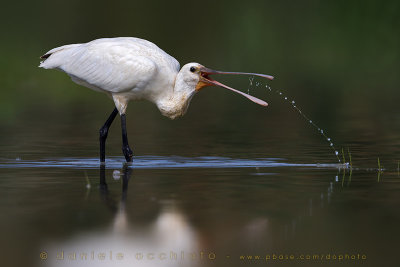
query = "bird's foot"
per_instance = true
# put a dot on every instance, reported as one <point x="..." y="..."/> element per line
<point x="128" y="153"/>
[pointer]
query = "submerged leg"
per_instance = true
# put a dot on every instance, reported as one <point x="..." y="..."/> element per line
<point x="104" y="133"/>
<point x="128" y="153"/>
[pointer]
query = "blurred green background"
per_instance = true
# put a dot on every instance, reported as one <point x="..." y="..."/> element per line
<point x="337" y="59"/>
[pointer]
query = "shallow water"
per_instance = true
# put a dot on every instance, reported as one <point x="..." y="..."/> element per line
<point x="196" y="211"/>
<point x="162" y="162"/>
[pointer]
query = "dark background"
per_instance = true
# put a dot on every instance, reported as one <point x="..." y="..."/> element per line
<point x="325" y="54"/>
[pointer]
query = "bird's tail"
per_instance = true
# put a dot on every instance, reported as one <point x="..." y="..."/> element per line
<point x="49" y="62"/>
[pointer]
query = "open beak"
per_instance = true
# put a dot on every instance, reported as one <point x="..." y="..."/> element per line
<point x="205" y="80"/>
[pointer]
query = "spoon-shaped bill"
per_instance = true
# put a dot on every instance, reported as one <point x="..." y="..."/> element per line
<point x="252" y="98"/>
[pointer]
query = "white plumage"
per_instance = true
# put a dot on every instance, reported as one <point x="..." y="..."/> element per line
<point x="128" y="68"/>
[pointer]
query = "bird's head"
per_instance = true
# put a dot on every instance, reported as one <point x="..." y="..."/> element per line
<point x="196" y="77"/>
<point x="192" y="78"/>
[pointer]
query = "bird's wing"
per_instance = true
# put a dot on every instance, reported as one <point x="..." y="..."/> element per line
<point x="110" y="66"/>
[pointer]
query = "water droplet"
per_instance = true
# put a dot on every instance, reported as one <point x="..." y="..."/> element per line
<point x="116" y="174"/>
<point x="305" y="117"/>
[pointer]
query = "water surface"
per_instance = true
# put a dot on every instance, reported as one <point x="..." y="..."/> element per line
<point x="78" y="214"/>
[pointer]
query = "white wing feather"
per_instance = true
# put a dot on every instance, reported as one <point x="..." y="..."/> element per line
<point x="114" y="65"/>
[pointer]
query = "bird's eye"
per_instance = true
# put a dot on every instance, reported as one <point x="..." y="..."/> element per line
<point x="192" y="69"/>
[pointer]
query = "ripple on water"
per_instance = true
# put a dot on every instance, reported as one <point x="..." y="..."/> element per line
<point x="158" y="162"/>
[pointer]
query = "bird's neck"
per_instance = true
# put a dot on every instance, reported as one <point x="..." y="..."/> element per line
<point x="176" y="102"/>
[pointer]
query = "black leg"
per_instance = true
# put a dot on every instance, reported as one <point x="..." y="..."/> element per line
<point x="104" y="133"/>
<point x="128" y="153"/>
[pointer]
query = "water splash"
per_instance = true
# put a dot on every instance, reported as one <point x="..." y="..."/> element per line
<point x="251" y="79"/>
<point x="293" y="104"/>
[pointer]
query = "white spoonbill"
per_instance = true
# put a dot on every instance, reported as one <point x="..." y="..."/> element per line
<point x="128" y="68"/>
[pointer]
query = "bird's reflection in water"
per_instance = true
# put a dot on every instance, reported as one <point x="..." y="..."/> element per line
<point x="168" y="241"/>
<point x="160" y="239"/>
